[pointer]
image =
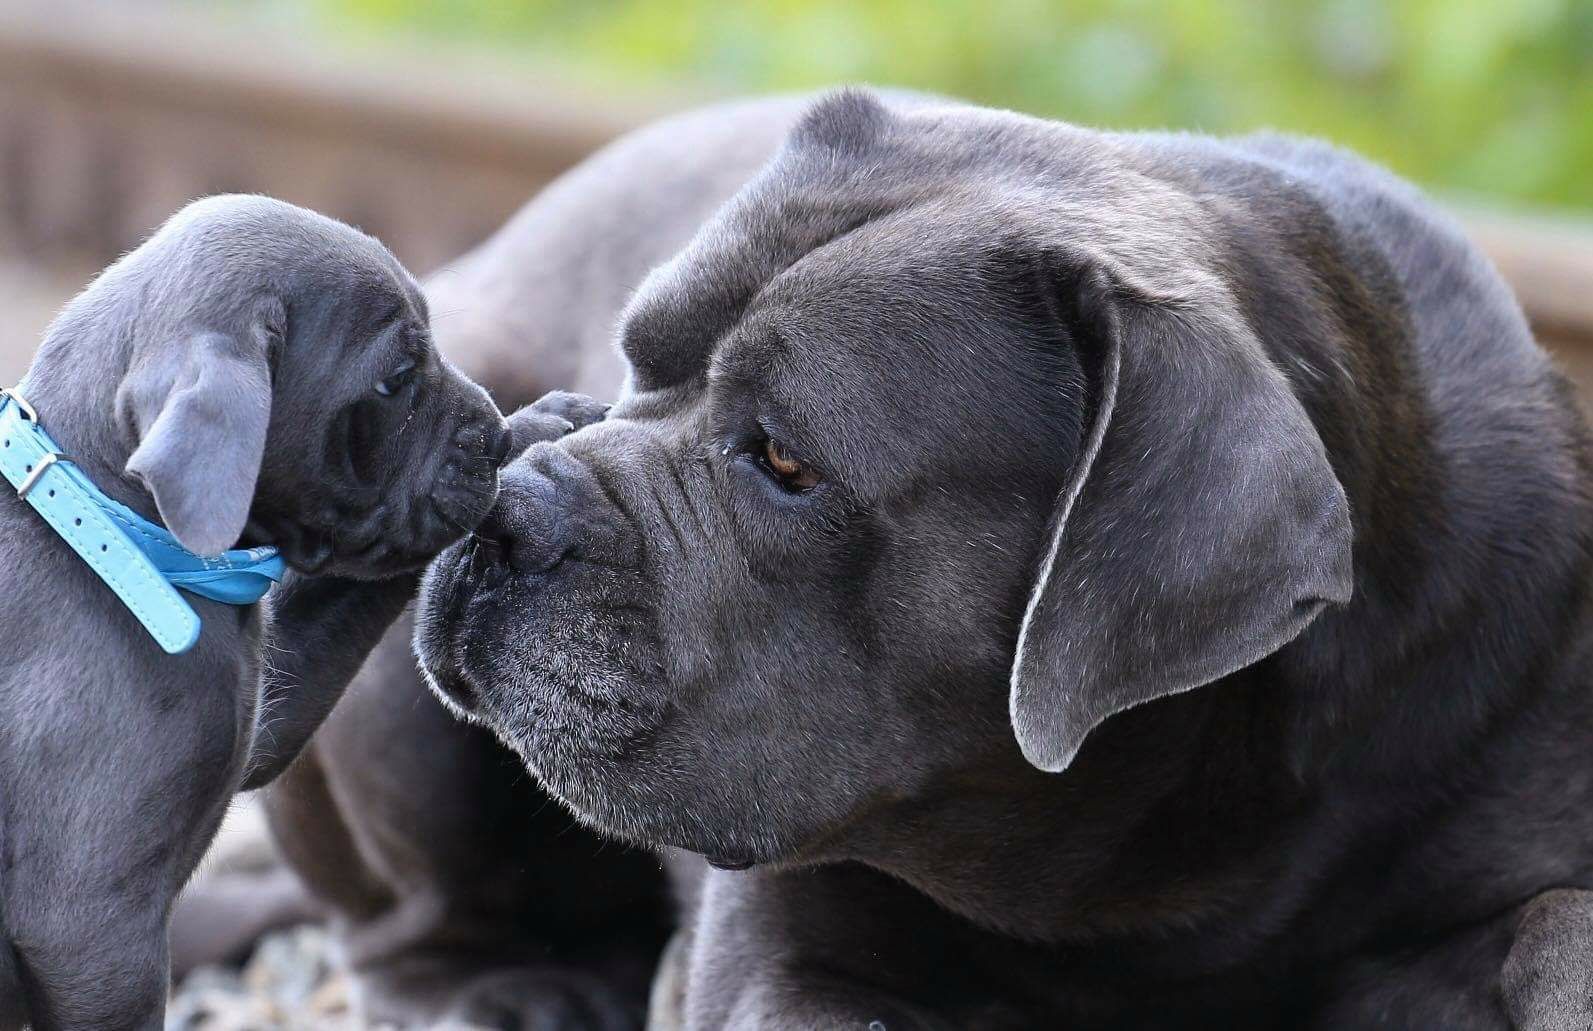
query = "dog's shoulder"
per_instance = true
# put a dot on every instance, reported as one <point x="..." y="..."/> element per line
<point x="1501" y="414"/>
<point x="1411" y="291"/>
<point x="1465" y="319"/>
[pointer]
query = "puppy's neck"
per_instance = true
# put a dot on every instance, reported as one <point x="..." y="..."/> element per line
<point x="72" y="384"/>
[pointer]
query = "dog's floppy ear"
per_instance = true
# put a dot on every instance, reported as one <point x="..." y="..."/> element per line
<point x="1200" y="529"/>
<point x="200" y="406"/>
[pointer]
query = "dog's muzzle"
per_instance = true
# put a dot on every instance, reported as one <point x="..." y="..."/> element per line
<point x="527" y="531"/>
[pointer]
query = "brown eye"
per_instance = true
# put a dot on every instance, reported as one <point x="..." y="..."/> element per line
<point x="792" y="474"/>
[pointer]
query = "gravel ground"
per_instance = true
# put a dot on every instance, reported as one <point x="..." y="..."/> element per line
<point x="291" y="983"/>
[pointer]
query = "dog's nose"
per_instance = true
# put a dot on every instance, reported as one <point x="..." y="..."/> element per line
<point x="527" y="528"/>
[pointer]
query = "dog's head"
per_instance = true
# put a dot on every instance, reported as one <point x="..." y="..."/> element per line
<point x="943" y="433"/>
<point x="283" y="388"/>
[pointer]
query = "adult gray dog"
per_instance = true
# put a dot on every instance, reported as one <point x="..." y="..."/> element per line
<point x="253" y="373"/>
<point x="1066" y="577"/>
<point x="456" y="890"/>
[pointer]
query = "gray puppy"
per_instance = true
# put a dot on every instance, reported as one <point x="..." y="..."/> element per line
<point x="1067" y="578"/>
<point x="254" y="374"/>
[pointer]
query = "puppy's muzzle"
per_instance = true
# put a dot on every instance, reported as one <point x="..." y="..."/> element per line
<point x="463" y="489"/>
<point x="500" y="445"/>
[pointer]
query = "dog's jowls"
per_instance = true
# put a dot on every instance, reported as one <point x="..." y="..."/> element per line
<point x="1130" y="580"/>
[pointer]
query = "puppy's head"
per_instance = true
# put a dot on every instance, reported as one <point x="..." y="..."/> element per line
<point x="942" y="443"/>
<point x="283" y="388"/>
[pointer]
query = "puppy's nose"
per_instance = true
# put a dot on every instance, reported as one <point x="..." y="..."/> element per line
<point x="527" y="528"/>
<point x="500" y="445"/>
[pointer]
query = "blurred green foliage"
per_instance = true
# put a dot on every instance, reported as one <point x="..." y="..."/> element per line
<point x="1486" y="96"/>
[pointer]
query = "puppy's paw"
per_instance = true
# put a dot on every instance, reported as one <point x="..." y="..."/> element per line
<point x="552" y="416"/>
<point x="551" y="999"/>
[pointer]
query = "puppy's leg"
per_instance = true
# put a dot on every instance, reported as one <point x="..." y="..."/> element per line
<point x="1530" y="969"/>
<point x="13" y="1005"/>
<point x="313" y="835"/>
<point x="666" y="1002"/>
<point x="1548" y="976"/>
<point x="88" y="897"/>
<point x="111" y="798"/>
<point x="100" y="966"/>
<point x="318" y="633"/>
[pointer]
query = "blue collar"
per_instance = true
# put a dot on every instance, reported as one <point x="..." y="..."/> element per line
<point x="141" y="561"/>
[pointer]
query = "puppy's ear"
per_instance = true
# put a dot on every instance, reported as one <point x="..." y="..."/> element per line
<point x="200" y="407"/>
<point x="1200" y="529"/>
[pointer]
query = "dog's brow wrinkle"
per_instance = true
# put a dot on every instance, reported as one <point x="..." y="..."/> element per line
<point x="686" y="496"/>
<point x="612" y="496"/>
<point x="669" y="519"/>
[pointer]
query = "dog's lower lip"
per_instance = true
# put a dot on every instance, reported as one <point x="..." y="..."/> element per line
<point x="457" y="688"/>
<point x="727" y="863"/>
<point x="482" y="561"/>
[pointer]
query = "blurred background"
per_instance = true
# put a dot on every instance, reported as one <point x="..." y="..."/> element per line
<point x="427" y="123"/>
<point x="1493" y="99"/>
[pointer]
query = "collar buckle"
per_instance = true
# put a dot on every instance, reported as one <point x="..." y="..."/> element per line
<point x="26" y="409"/>
<point x="48" y="459"/>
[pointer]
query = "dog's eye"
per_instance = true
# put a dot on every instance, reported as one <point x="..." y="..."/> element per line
<point x="394" y="383"/>
<point x="789" y="472"/>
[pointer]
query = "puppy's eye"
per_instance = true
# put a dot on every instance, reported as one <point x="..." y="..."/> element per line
<point x="394" y="383"/>
<point x="789" y="472"/>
